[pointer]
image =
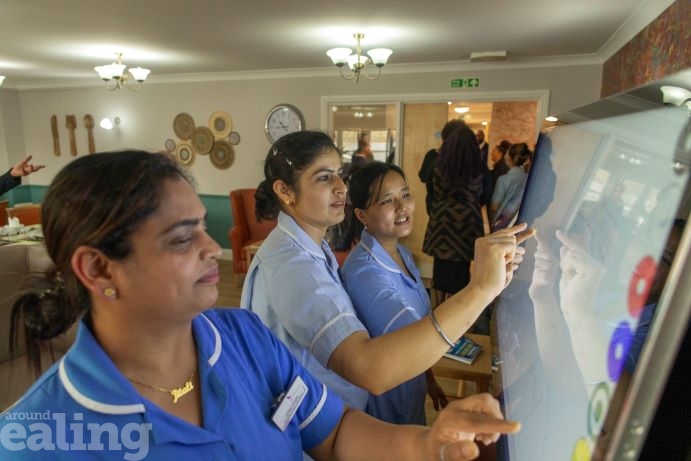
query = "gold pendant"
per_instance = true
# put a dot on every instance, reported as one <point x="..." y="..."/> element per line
<point x="181" y="391"/>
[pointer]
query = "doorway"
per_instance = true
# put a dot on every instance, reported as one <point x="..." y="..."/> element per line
<point x="515" y="121"/>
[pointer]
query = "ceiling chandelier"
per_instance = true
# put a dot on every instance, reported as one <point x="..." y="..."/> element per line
<point x="358" y="62"/>
<point x="115" y="77"/>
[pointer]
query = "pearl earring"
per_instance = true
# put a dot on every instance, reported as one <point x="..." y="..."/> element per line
<point x="110" y="293"/>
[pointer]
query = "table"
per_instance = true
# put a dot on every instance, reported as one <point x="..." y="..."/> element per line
<point x="27" y="235"/>
<point x="479" y="372"/>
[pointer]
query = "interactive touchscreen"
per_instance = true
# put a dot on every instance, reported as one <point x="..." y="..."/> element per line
<point x="604" y="194"/>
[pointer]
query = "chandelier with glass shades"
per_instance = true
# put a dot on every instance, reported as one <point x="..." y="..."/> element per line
<point x="357" y="63"/>
<point x="115" y="76"/>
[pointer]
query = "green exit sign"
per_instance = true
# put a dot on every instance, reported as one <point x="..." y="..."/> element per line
<point x="465" y="83"/>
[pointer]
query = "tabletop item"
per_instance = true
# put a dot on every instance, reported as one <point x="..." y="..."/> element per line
<point x="89" y="125"/>
<point x="202" y="140"/>
<point x="222" y="155"/>
<point x="56" y="136"/>
<point x="71" y="123"/>
<point x="185" y="154"/>
<point x="221" y="124"/>
<point x="183" y="125"/>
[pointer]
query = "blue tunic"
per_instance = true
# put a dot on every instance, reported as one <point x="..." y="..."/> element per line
<point x="386" y="299"/>
<point x="508" y="193"/>
<point x="294" y="286"/>
<point x="242" y="370"/>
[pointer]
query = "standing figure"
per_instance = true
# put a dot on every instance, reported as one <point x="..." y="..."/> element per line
<point x="508" y="191"/>
<point x="455" y="220"/>
<point x="384" y="283"/>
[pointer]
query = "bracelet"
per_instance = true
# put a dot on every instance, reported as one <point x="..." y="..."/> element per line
<point x="439" y="330"/>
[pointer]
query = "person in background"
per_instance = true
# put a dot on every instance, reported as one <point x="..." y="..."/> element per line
<point x="150" y="356"/>
<point x="294" y="283"/>
<point x="384" y="283"/>
<point x="482" y="144"/>
<point x="455" y="220"/>
<point x="499" y="166"/>
<point x="508" y="192"/>
<point x="13" y="177"/>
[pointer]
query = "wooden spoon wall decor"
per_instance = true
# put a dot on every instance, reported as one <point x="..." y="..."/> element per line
<point x="71" y="123"/>
<point x="89" y="125"/>
<point x="56" y="136"/>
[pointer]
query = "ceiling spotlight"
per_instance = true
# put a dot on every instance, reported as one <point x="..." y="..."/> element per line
<point x="551" y="118"/>
<point x="115" y="77"/>
<point x="358" y="62"/>
<point x="461" y="110"/>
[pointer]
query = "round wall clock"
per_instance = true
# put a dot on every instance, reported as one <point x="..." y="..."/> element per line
<point x="281" y="120"/>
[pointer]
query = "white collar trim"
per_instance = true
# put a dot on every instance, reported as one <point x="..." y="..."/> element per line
<point x="92" y="404"/>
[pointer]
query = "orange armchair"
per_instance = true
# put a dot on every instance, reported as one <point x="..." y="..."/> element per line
<point x="28" y="214"/>
<point x="246" y="229"/>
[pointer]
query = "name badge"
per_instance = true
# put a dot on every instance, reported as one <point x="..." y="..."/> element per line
<point x="288" y="403"/>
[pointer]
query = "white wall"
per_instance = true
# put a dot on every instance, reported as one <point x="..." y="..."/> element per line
<point x="11" y="133"/>
<point x="147" y="116"/>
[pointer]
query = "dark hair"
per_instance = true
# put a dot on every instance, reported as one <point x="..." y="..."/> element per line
<point x="288" y="157"/>
<point x="97" y="200"/>
<point x="519" y="153"/>
<point x="364" y="187"/>
<point x="503" y="146"/>
<point x="460" y="159"/>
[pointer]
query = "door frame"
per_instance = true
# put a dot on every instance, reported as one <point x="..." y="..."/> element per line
<point x="541" y="96"/>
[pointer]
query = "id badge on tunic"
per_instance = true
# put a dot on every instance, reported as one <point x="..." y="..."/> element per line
<point x="288" y="403"/>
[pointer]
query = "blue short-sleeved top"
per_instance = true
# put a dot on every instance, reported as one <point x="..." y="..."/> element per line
<point x="508" y="193"/>
<point x="243" y="369"/>
<point x="294" y="285"/>
<point x="386" y="299"/>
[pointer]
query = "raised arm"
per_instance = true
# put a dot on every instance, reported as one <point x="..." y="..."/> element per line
<point x="381" y="363"/>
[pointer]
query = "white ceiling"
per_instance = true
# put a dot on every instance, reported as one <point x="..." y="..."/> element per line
<point x="45" y="42"/>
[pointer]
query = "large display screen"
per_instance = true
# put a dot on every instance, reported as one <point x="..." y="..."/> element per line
<point x="604" y="194"/>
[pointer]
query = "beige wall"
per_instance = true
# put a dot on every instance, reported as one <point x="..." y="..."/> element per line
<point x="147" y="116"/>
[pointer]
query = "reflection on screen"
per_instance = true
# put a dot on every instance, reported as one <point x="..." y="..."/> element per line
<point x="603" y="196"/>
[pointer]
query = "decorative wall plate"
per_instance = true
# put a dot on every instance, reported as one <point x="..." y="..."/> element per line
<point x="202" y="140"/>
<point x="221" y="124"/>
<point x="170" y="145"/>
<point x="234" y="138"/>
<point x="185" y="154"/>
<point x="183" y="125"/>
<point x="222" y="155"/>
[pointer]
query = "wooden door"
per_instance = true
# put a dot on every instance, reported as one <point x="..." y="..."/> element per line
<point x="422" y="124"/>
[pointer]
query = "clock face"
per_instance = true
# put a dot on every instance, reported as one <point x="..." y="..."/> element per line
<point x="281" y="120"/>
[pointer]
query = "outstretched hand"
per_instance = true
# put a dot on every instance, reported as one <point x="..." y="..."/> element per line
<point x="25" y="168"/>
<point x="497" y="255"/>
<point x="581" y="276"/>
<point x="464" y="422"/>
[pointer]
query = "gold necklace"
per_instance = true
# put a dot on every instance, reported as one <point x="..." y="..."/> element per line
<point x="176" y="393"/>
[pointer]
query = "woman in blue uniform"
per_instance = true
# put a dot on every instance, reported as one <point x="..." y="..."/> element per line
<point x="155" y="375"/>
<point x="383" y="281"/>
<point x="294" y="283"/>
